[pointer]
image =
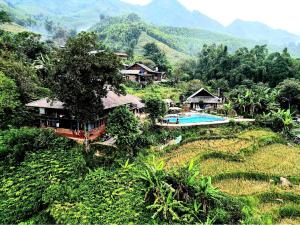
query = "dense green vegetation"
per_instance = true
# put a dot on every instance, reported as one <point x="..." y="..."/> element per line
<point x="225" y="175"/>
<point x="93" y="72"/>
<point x="124" y="33"/>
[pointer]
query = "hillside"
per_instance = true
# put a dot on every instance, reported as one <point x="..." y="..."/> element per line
<point x="19" y="16"/>
<point x="12" y="27"/>
<point x="81" y="14"/>
<point x="245" y="29"/>
<point x="130" y="32"/>
<point x="173" y="55"/>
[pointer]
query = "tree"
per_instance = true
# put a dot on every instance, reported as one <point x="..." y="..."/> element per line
<point x="9" y="99"/>
<point x="24" y="77"/>
<point x="252" y="101"/>
<point x="154" y="53"/>
<point x="30" y="45"/>
<point x="49" y="26"/>
<point x="83" y="76"/>
<point x="178" y="74"/>
<point x="156" y="108"/>
<point x="4" y="17"/>
<point x="289" y="94"/>
<point x="279" y="68"/>
<point x="279" y="121"/>
<point x="192" y="86"/>
<point x="123" y="125"/>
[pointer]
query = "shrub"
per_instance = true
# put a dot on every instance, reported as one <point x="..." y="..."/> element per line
<point x="182" y="197"/>
<point x="280" y="121"/>
<point x="15" y="143"/>
<point x="100" y="156"/>
<point x="105" y="196"/>
<point x="289" y="211"/>
<point x="24" y="190"/>
<point x="124" y="126"/>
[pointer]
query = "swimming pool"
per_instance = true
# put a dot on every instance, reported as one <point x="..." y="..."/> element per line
<point x="192" y="118"/>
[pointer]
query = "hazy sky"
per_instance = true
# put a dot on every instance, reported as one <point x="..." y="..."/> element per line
<point x="283" y="14"/>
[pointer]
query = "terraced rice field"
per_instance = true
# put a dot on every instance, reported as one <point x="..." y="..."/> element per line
<point x="267" y="161"/>
<point x="196" y="149"/>
<point x="276" y="159"/>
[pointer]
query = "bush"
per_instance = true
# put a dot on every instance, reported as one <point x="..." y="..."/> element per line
<point x="280" y="121"/>
<point x="132" y="84"/>
<point x="124" y="126"/>
<point x="183" y="197"/>
<point x="16" y="143"/>
<point x="289" y="211"/>
<point x="105" y="196"/>
<point x="25" y="189"/>
<point x="100" y="156"/>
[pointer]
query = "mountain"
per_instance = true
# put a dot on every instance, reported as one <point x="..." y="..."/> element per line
<point x="172" y="13"/>
<point x="130" y="32"/>
<point x="261" y="32"/>
<point x="82" y="14"/>
<point x="79" y="14"/>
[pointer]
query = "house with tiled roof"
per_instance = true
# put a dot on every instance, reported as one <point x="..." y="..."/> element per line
<point x="52" y="114"/>
<point x="203" y="99"/>
<point x="142" y="74"/>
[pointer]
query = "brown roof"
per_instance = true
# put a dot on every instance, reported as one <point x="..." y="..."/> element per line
<point x="130" y="72"/>
<point x="121" y="54"/>
<point x="135" y="72"/>
<point x="112" y="100"/>
<point x="46" y="103"/>
<point x="205" y="96"/>
<point x="145" y="68"/>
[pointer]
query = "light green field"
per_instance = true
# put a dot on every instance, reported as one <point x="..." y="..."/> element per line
<point x="173" y="56"/>
<point x="276" y="159"/>
<point x="12" y="27"/>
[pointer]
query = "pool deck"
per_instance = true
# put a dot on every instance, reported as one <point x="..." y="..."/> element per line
<point x="215" y="123"/>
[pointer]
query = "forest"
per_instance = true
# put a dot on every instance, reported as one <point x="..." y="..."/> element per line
<point x="230" y="174"/>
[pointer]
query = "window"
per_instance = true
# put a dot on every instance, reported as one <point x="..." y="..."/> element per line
<point x="42" y="111"/>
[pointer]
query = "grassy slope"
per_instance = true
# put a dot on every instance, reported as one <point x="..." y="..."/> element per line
<point x="178" y="43"/>
<point x="191" y="40"/>
<point x="12" y="27"/>
<point x="273" y="160"/>
<point x="173" y="55"/>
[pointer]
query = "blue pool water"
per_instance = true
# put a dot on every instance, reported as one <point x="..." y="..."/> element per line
<point x="194" y="118"/>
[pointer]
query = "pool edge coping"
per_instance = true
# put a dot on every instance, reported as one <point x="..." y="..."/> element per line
<point x="226" y="121"/>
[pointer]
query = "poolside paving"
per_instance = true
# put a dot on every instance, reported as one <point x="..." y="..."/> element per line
<point x="214" y="123"/>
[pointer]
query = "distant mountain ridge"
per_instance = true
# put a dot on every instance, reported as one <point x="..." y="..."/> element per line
<point x="82" y="14"/>
<point x="129" y="33"/>
<point x="246" y="29"/>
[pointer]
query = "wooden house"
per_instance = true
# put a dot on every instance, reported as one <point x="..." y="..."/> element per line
<point x="52" y="114"/>
<point x="142" y="74"/>
<point x="203" y="99"/>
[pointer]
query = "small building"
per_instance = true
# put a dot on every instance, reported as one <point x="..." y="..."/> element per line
<point x="122" y="55"/>
<point x="142" y="74"/>
<point x="169" y="102"/>
<point x="52" y="114"/>
<point x="203" y="99"/>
